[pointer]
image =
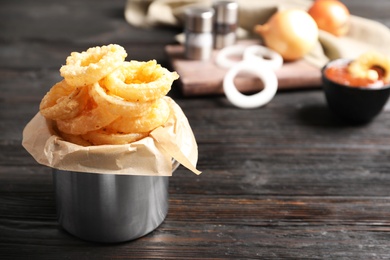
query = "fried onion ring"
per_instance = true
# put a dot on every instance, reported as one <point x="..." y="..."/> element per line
<point x="75" y="139"/>
<point x="117" y="105"/>
<point x="157" y="116"/>
<point x="90" y="66"/>
<point x="364" y="66"/>
<point x="63" y="101"/>
<point x="92" y="118"/>
<point x="140" y="81"/>
<point x="103" y="136"/>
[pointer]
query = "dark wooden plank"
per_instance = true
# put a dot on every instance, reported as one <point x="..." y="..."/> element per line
<point x="272" y="227"/>
<point x="285" y="181"/>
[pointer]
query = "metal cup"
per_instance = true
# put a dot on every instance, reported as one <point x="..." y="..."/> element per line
<point x="110" y="208"/>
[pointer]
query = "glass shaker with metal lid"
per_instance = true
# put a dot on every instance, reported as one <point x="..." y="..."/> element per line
<point x="225" y="23"/>
<point x="199" y="32"/>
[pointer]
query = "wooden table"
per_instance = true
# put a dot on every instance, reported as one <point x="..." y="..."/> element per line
<point x="284" y="181"/>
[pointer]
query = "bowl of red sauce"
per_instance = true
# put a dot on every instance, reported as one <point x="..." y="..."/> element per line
<point x="351" y="98"/>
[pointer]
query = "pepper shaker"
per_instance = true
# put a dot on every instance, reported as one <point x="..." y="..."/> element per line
<point x="199" y="33"/>
<point x="225" y="23"/>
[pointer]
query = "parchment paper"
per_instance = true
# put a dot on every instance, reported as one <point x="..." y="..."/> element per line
<point x="151" y="156"/>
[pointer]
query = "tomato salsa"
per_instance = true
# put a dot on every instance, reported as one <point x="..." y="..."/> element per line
<point x="339" y="73"/>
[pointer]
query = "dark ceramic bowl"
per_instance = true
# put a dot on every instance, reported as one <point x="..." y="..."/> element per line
<point x="353" y="104"/>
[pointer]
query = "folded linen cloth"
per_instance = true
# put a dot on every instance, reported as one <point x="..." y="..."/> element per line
<point x="364" y="34"/>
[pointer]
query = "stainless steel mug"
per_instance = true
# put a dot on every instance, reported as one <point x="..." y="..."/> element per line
<point x="110" y="208"/>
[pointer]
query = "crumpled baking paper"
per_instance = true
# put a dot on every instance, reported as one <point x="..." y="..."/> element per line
<point x="150" y="156"/>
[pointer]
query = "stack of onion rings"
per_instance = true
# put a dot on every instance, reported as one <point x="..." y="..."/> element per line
<point x="104" y="99"/>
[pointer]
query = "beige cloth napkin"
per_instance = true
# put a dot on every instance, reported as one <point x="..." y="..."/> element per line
<point x="364" y="34"/>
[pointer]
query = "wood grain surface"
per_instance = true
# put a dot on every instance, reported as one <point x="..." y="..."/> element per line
<point x="285" y="181"/>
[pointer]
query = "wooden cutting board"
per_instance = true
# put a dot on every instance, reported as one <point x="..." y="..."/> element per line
<point x="199" y="78"/>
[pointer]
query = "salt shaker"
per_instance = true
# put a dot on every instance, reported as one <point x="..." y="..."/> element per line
<point x="199" y="33"/>
<point x="225" y="23"/>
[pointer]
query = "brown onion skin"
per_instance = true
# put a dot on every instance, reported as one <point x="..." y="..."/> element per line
<point x="331" y="16"/>
<point x="292" y="33"/>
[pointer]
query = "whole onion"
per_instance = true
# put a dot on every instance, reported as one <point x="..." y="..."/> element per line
<point x="292" y="33"/>
<point x="331" y="16"/>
